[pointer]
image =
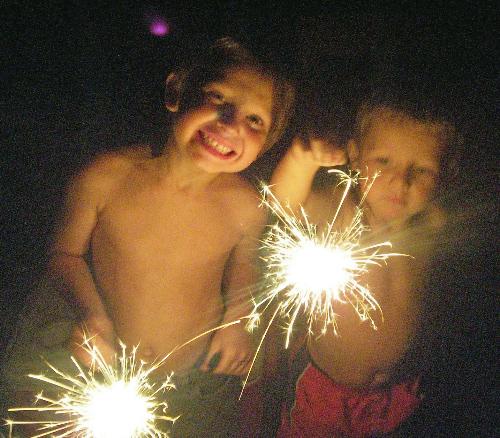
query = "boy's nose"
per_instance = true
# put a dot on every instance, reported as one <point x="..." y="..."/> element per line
<point x="400" y="178"/>
<point x="227" y="114"/>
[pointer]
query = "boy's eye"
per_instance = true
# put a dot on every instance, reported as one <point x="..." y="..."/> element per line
<point x="382" y="160"/>
<point x="255" y="121"/>
<point x="214" y="97"/>
<point x="423" y="171"/>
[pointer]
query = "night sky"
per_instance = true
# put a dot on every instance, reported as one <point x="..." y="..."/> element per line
<point x="81" y="77"/>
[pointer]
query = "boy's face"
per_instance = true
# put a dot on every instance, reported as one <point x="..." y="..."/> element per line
<point x="228" y="129"/>
<point x="406" y="154"/>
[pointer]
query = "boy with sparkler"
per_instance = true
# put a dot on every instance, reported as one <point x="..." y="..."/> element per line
<point x="172" y="238"/>
<point x="353" y="380"/>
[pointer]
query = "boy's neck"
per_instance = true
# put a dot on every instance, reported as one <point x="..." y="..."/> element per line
<point x="181" y="172"/>
<point x="386" y="230"/>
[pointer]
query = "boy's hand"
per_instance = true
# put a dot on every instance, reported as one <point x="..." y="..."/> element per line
<point x="317" y="152"/>
<point x="292" y="179"/>
<point x="230" y="352"/>
<point x="99" y="332"/>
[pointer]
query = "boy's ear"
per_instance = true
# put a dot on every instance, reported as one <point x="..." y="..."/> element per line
<point x="173" y="88"/>
<point x="352" y="152"/>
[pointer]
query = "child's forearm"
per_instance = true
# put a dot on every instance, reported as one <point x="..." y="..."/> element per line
<point x="237" y="307"/>
<point x="71" y="275"/>
<point x="292" y="180"/>
<point x="241" y="275"/>
<point x="242" y="278"/>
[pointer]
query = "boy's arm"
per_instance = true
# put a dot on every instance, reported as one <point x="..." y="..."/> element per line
<point x="234" y="344"/>
<point x="68" y="269"/>
<point x="292" y="179"/>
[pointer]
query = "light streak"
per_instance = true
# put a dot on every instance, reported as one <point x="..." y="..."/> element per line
<point x="116" y="400"/>
<point x="310" y="271"/>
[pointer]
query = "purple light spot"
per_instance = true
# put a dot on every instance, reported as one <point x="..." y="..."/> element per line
<point x="159" y="27"/>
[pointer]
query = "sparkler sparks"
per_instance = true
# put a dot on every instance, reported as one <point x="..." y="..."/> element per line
<point x="103" y="401"/>
<point x="106" y="401"/>
<point x="310" y="271"/>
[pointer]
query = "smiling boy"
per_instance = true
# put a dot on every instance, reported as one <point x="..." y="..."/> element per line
<point x="172" y="238"/>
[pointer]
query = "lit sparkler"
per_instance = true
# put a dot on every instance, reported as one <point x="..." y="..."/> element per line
<point x="106" y="401"/>
<point x="103" y="401"/>
<point x="310" y="271"/>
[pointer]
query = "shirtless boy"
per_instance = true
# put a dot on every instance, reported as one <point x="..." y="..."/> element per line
<point x="364" y="382"/>
<point x="172" y="238"/>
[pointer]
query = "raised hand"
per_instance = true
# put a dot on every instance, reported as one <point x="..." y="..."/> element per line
<point x="317" y="152"/>
<point x="292" y="179"/>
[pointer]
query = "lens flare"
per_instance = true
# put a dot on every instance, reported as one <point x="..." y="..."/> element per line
<point x="159" y="26"/>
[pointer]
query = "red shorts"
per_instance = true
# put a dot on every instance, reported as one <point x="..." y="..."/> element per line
<point x="323" y="409"/>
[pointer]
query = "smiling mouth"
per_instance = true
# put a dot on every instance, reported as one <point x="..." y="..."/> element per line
<point x="212" y="144"/>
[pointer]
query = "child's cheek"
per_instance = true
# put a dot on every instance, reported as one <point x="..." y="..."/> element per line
<point x="255" y="137"/>
<point x="426" y="189"/>
<point x="194" y="118"/>
<point x="369" y="170"/>
<point x="202" y="112"/>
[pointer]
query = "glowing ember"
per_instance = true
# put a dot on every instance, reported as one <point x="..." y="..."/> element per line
<point x="119" y="409"/>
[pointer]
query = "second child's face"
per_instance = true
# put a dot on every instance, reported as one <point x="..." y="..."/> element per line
<point x="406" y="155"/>
<point x="227" y="131"/>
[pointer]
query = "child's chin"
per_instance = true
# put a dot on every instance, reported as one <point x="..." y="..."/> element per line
<point x="395" y="214"/>
<point x="389" y="221"/>
<point x="218" y="167"/>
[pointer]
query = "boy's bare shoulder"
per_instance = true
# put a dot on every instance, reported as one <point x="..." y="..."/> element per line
<point x="243" y="198"/>
<point x="117" y="161"/>
<point x="108" y="169"/>
<point x="138" y="152"/>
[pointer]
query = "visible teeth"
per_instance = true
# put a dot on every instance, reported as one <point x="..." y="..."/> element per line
<point x="218" y="147"/>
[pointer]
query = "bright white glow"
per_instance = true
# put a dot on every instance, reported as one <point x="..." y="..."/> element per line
<point x="310" y="271"/>
<point x="117" y="411"/>
<point x="317" y="268"/>
<point x="105" y="401"/>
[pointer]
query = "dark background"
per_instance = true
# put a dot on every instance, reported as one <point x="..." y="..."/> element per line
<point x="81" y="77"/>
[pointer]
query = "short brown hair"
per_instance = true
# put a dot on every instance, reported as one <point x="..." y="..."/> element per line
<point x="227" y="53"/>
<point x="443" y="129"/>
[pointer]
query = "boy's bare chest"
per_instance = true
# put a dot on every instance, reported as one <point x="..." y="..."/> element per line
<point x="359" y="351"/>
<point x="168" y="224"/>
